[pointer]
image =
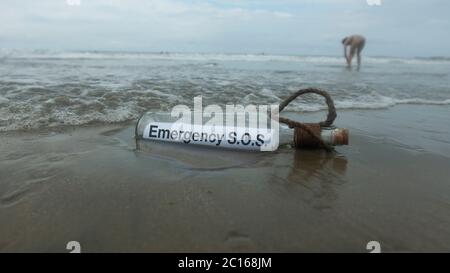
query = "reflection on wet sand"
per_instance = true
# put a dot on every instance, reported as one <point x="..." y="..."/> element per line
<point x="309" y="164"/>
<point x="319" y="172"/>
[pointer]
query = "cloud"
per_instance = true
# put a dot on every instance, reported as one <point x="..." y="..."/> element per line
<point x="275" y="26"/>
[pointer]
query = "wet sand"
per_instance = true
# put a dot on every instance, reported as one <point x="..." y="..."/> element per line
<point x="91" y="185"/>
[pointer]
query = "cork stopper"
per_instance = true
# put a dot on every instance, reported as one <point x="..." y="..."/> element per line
<point x="340" y="137"/>
<point x="330" y="136"/>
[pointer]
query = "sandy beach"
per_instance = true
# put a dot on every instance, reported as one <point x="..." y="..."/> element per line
<point x="90" y="184"/>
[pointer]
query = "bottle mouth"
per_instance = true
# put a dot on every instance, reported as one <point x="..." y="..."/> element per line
<point x="341" y="137"/>
<point x="330" y="136"/>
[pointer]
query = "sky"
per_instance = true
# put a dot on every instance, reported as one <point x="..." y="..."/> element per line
<point x="405" y="28"/>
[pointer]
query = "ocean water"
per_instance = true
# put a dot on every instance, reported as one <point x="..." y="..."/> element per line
<point x="40" y="89"/>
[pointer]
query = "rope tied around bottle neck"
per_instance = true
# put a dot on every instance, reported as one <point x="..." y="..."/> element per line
<point x="310" y="128"/>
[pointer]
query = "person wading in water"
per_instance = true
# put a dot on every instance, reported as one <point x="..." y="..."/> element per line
<point x="356" y="44"/>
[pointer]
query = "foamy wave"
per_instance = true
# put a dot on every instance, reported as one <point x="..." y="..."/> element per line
<point x="386" y="102"/>
<point x="58" y="118"/>
<point x="381" y="102"/>
<point x="210" y="57"/>
<point x="76" y="92"/>
<point x="3" y="100"/>
<point x="76" y="112"/>
<point x="423" y="101"/>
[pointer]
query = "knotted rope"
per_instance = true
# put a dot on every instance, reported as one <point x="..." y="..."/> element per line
<point x="308" y="127"/>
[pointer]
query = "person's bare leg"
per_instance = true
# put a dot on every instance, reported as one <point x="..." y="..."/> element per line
<point x="349" y="59"/>
<point x="345" y="54"/>
<point x="360" y="48"/>
<point x="359" y="59"/>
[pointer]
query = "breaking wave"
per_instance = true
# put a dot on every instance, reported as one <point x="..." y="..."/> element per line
<point x="66" y="111"/>
<point x="41" y="89"/>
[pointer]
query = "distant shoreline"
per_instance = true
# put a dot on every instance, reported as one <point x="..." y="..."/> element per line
<point x="165" y="52"/>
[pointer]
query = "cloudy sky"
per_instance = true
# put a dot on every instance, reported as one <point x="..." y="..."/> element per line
<point x="303" y="27"/>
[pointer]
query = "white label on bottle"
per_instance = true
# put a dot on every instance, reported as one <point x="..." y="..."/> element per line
<point x="217" y="136"/>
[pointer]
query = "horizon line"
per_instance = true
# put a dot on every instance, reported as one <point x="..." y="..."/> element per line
<point x="131" y="51"/>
